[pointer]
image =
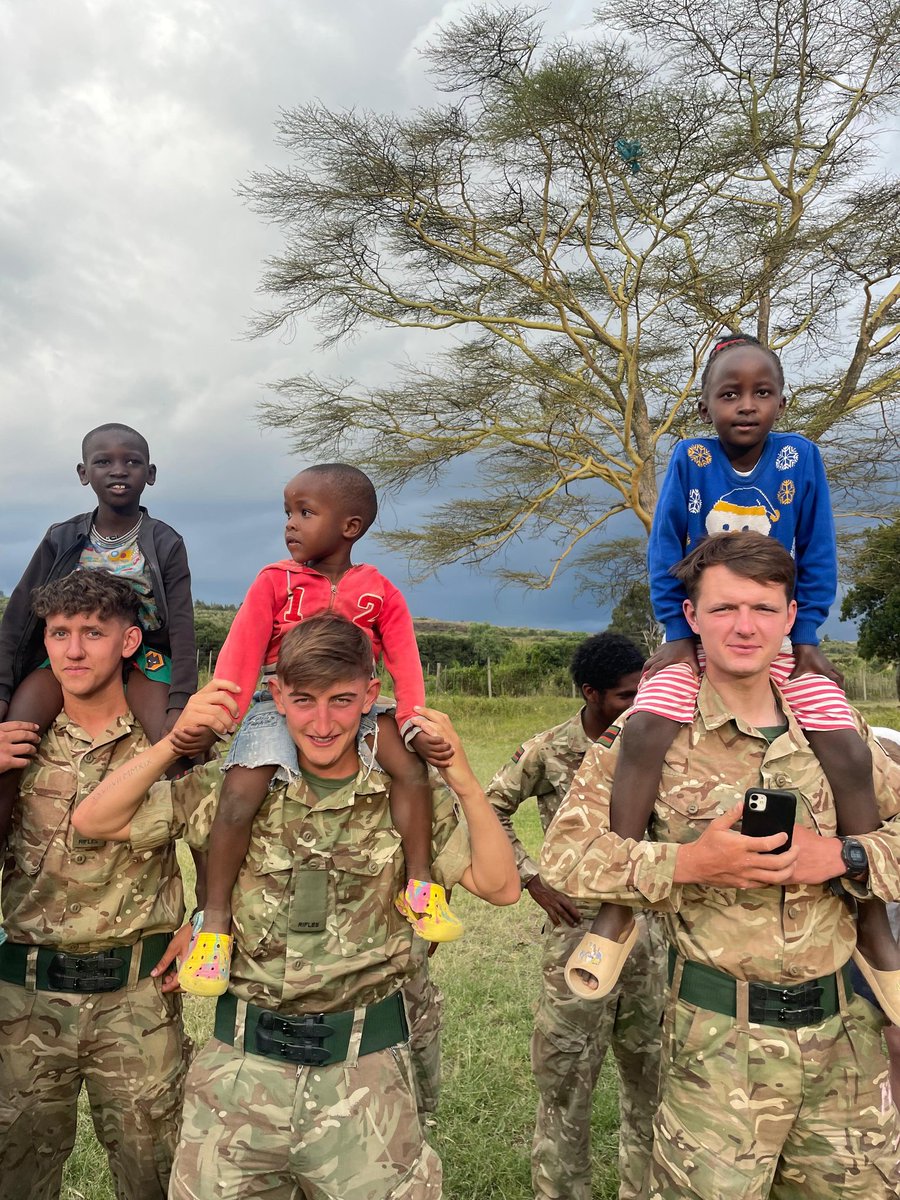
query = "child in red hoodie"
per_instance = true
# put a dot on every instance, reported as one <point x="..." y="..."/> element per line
<point x="328" y="509"/>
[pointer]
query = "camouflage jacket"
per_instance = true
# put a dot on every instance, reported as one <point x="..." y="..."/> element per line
<point x="60" y="889"/>
<point x="543" y="767"/>
<point x="777" y="934"/>
<point x="314" y="920"/>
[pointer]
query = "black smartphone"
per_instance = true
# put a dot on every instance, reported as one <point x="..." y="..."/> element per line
<point x="768" y="811"/>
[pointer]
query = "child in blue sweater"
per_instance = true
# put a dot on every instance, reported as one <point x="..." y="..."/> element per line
<point x="745" y="478"/>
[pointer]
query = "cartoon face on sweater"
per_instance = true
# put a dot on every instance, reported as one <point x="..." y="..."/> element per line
<point x="740" y="509"/>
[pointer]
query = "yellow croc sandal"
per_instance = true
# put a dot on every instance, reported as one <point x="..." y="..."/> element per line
<point x="600" y="958"/>
<point x="206" y="969"/>
<point x="885" y="985"/>
<point x="425" y="907"/>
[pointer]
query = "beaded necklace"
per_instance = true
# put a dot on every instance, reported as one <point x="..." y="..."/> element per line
<point x="118" y="540"/>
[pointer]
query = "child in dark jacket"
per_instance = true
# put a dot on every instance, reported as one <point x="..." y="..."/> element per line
<point x="121" y="537"/>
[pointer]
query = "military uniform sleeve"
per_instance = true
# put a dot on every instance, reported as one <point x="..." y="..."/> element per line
<point x="523" y="776"/>
<point x="584" y="859"/>
<point x="177" y="808"/>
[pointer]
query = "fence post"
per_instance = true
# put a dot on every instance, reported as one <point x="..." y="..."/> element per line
<point x="209" y="665"/>
<point x="864" y="688"/>
<point x="490" y="692"/>
<point x="437" y="678"/>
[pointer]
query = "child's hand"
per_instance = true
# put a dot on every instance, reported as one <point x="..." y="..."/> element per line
<point x="678" y="651"/>
<point x="433" y="748"/>
<point x="809" y="660"/>
<point x="18" y="742"/>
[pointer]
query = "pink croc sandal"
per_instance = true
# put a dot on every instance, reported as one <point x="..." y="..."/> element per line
<point x="425" y="907"/>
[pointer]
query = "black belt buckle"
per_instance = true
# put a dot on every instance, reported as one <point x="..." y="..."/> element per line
<point x="103" y="972"/>
<point x="791" y="1006"/>
<point x="299" y="1040"/>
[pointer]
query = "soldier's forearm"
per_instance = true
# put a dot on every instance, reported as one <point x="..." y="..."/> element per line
<point x="107" y="812"/>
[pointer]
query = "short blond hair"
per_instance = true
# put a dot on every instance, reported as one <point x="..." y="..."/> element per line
<point x="324" y="650"/>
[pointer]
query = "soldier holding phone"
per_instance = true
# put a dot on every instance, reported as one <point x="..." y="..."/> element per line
<point x="777" y="1081"/>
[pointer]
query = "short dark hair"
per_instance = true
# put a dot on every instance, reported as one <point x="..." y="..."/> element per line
<point x="355" y="489"/>
<point x="324" y="650"/>
<point x="87" y="592"/>
<point x="109" y="428"/>
<point x="746" y="552"/>
<point x="603" y="659"/>
<point x="732" y="341"/>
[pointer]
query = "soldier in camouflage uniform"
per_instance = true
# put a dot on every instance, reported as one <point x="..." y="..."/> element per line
<point x="424" y="1005"/>
<point x="777" y="1081"/>
<point x="86" y="921"/>
<point x="571" y="1036"/>
<point x="306" y="1087"/>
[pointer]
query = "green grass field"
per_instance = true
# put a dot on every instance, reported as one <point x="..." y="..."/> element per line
<point x="490" y="983"/>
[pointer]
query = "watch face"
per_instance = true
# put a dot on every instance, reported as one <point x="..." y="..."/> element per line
<point x="854" y="856"/>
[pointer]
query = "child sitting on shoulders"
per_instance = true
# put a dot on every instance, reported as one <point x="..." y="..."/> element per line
<point x="121" y="537"/>
<point x="745" y="478"/>
<point x="328" y="508"/>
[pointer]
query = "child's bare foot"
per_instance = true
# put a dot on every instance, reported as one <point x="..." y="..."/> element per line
<point x="875" y="939"/>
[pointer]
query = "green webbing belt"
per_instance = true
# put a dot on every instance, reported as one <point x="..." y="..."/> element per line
<point x="385" y="1025"/>
<point x="770" y="1003"/>
<point x="14" y="962"/>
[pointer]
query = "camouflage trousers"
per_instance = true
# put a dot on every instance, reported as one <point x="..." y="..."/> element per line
<point x="128" y="1048"/>
<point x="424" y="1005"/>
<point x="569" y="1043"/>
<point x="793" y="1114"/>
<point x="253" y="1126"/>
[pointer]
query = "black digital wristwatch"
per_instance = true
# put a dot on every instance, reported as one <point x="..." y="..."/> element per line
<point x="856" y="861"/>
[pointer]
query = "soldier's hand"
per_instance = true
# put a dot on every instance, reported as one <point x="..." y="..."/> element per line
<point x="558" y="907"/>
<point x="18" y="742"/>
<point x="212" y="709"/>
<point x="167" y="967"/>
<point x="818" y="858"/>
<point x="456" y="772"/>
<point x="723" y="858"/>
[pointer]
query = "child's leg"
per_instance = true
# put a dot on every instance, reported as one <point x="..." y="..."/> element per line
<point x="38" y="699"/>
<point x="243" y="791"/>
<point x="663" y="703"/>
<point x="412" y="812"/>
<point x="644" y="741"/>
<point x="847" y="763"/>
<point x="822" y="710"/>
<point x="148" y="699"/>
<point x="261" y="747"/>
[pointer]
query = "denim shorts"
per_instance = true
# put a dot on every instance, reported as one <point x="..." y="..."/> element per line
<point x="263" y="739"/>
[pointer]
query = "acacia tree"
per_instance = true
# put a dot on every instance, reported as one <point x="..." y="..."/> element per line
<point x="581" y="219"/>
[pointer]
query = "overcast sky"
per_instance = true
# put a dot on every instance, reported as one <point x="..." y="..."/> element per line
<point x="128" y="266"/>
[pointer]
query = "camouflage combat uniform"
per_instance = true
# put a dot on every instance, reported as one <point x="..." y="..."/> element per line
<point x="571" y="1036"/>
<point x="127" y="1045"/>
<point x="424" y="1005"/>
<point x="316" y="932"/>
<point x="749" y="1108"/>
